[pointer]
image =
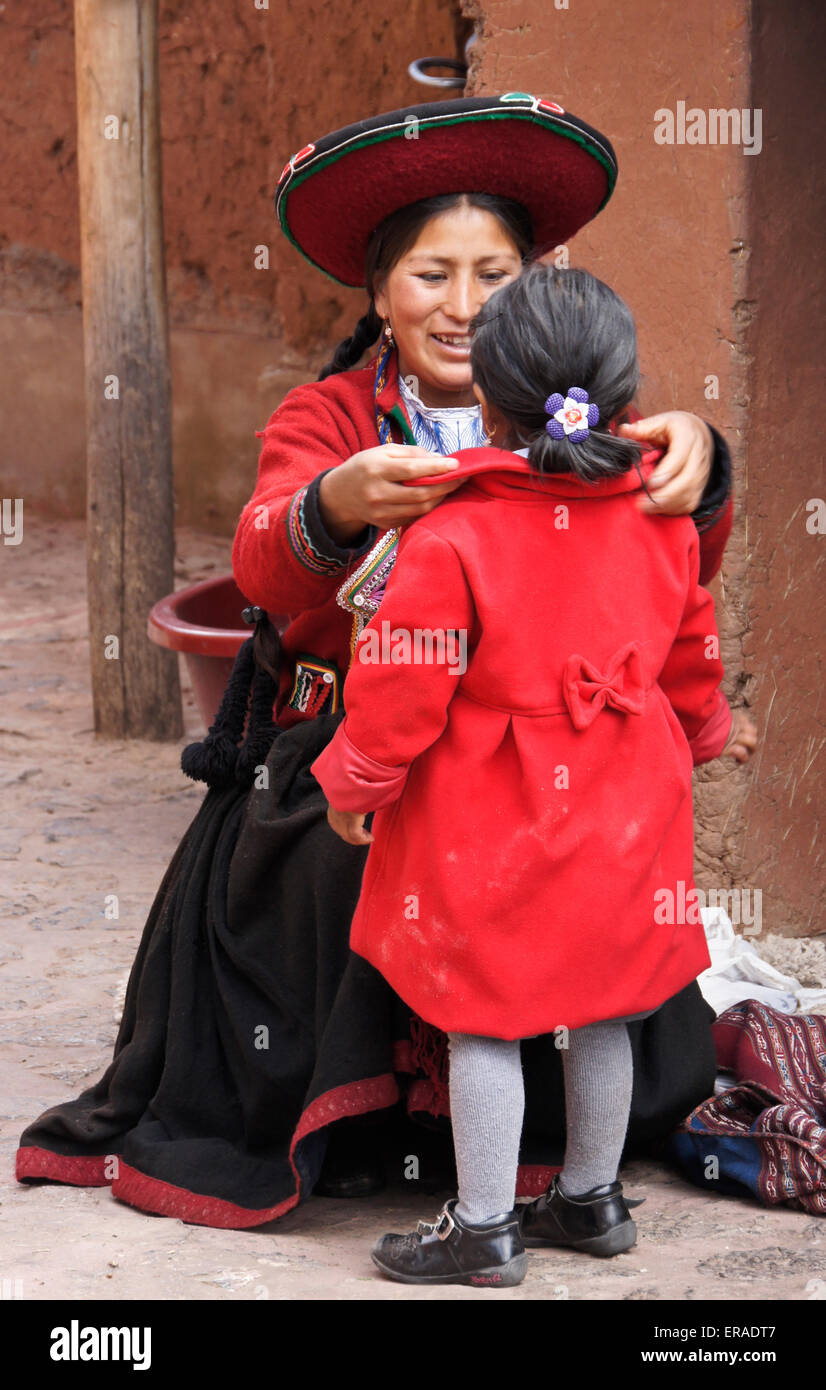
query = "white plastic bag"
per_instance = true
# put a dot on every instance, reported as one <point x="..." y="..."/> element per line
<point x="737" y="972"/>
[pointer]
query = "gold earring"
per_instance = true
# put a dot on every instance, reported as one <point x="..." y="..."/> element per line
<point x="388" y="332"/>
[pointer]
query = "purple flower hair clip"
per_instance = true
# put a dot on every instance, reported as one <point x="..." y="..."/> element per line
<point x="571" y="415"/>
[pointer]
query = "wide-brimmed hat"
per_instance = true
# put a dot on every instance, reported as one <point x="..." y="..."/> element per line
<point x="335" y="191"/>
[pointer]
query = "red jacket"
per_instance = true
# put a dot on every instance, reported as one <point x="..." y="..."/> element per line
<point x="282" y="558"/>
<point x="536" y="810"/>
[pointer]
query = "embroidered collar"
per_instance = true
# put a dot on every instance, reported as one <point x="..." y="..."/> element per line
<point x="362" y="592"/>
<point x="394" y="398"/>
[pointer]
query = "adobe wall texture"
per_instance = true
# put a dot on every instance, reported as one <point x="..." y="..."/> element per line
<point x="241" y="90"/>
<point x="712" y="248"/>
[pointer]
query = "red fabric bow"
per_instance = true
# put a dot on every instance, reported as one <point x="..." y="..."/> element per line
<point x="587" y="691"/>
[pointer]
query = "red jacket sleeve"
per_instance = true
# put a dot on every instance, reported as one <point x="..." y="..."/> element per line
<point x="693" y="671"/>
<point x="277" y="558"/>
<point x="397" y="704"/>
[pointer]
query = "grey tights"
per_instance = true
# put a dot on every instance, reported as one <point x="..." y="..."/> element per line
<point x="487" y="1102"/>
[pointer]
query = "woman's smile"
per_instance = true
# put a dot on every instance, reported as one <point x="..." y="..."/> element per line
<point x="455" y="344"/>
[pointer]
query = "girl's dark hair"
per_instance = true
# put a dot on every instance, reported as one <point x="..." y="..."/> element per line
<point x="543" y="333"/>
<point x="395" y="236"/>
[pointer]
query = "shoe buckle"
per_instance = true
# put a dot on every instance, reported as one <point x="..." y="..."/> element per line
<point x="441" y="1228"/>
<point x="444" y="1225"/>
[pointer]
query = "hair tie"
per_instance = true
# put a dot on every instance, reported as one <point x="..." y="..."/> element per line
<point x="571" y="415"/>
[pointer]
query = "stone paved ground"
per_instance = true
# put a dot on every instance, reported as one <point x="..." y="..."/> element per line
<point x="81" y="819"/>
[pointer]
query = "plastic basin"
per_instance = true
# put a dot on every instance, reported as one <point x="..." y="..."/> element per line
<point x="204" y="622"/>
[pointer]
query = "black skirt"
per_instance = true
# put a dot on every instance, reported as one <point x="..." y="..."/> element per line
<point x="250" y="1028"/>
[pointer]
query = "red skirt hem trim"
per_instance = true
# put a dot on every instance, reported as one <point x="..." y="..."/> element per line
<point x="78" y="1171"/>
<point x="151" y="1194"/>
<point x="165" y="1199"/>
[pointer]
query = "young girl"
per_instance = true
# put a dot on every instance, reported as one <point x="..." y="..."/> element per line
<point x="523" y="716"/>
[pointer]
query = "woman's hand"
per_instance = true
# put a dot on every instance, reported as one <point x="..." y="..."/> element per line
<point x="680" y="479"/>
<point x="350" y="826"/>
<point x="368" y="489"/>
<point x="742" y="739"/>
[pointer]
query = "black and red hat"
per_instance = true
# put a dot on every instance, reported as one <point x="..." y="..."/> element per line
<point x="335" y="191"/>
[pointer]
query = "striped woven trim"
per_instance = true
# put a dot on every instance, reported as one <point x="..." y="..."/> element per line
<point x="301" y="545"/>
<point x="382" y="371"/>
<point x="356" y="593"/>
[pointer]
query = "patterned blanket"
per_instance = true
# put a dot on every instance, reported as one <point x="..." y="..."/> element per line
<point x="767" y="1133"/>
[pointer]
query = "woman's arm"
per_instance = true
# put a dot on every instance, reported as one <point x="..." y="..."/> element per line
<point x="693" y="477"/>
<point x="715" y="514"/>
<point x="318" y="506"/>
<point x="283" y="557"/>
<point x="692" y="672"/>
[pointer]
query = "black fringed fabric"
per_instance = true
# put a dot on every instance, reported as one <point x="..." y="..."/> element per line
<point x="213" y="759"/>
<point x="218" y="759"/>
<point x="262" y="730"/>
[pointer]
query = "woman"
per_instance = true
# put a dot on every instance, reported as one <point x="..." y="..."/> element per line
<point x="252" y="1038"/>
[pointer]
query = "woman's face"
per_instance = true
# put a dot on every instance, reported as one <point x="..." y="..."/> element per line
<point x="435" y="289"/>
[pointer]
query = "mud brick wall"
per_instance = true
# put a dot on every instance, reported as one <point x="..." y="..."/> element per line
<point x="241" y="90"/>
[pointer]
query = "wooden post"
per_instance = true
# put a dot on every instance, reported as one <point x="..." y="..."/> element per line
<point x="130" y="503"/>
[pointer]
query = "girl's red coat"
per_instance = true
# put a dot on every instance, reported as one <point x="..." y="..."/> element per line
<point x="533" y="856"/>
<point x="317" y="427"/>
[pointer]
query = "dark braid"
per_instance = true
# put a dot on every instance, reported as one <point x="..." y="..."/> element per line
<point x="350" y="351"/>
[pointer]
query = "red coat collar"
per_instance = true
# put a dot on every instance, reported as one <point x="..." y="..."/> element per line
<point x="500" y="473"/>
<point x="473" y="462"/>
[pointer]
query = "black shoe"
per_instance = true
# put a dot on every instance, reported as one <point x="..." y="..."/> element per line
<point x="353" y="1183"/>
<point x="353" y="1164"/>
<point x="347" y="1173"/>
<point x="598" y="1222"/>
<point x="448" y="1251"/>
